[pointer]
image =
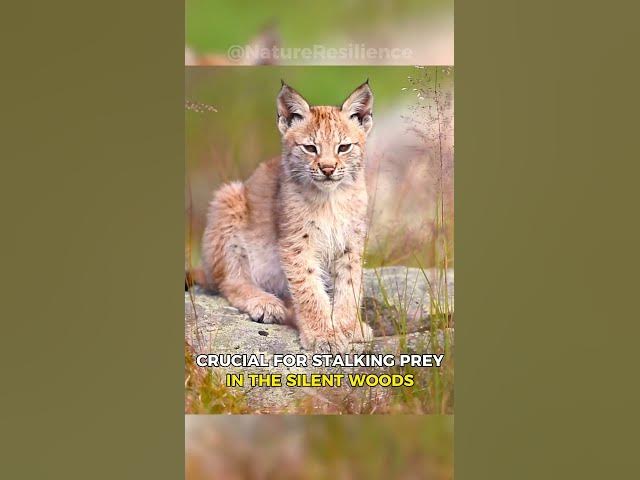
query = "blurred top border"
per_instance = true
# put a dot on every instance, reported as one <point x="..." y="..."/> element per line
<point x="356" y="32"/>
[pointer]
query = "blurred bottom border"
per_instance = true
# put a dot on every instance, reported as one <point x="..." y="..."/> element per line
<point x="318" y="447"/>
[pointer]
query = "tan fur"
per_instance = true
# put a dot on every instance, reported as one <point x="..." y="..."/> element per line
<point x="287" y="244"/>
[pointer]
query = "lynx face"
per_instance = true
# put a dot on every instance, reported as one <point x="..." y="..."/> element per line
<point x="323" y="146"/>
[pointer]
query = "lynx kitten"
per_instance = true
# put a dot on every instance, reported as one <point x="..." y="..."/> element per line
<point x="286" y="245"/>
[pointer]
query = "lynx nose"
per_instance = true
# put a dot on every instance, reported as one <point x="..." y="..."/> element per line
<point x="328" y="170"/>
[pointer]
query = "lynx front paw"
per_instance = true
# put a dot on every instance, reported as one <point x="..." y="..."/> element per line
<point x="266" y="309"/>
<point x="360" y="332"/>
<point x="325" y="341"/>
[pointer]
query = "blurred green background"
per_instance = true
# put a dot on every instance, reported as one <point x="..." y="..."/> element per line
<point x="409" y="151"/>
<point x="246" y="97"/>
<point x="426" y="26"/>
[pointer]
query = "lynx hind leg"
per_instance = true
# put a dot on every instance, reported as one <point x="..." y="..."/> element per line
<point x="225" y="258"/>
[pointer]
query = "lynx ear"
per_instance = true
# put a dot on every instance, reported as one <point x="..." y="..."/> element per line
<point x="292" y="107"/>
<point x="359" y="106"/>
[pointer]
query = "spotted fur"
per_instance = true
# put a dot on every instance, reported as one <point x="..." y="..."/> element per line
<point x="286" y="245"/>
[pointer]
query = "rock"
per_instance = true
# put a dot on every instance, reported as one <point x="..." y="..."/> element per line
<point x="401" y="299"/>
<point x="398" y="304"/>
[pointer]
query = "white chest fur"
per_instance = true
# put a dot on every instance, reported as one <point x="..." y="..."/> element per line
<point x="330" y="233"/>
<point x="333" y="227"/>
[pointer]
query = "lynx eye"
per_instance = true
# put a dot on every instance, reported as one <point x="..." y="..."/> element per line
<point x="345" y="147"/>
<point x="310" y="148"/>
